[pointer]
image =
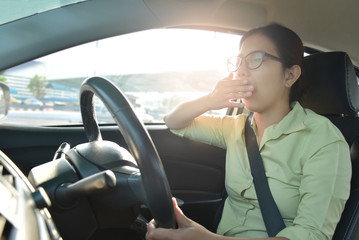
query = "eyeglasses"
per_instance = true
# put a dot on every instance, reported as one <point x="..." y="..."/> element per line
<point x="253" y="60"/>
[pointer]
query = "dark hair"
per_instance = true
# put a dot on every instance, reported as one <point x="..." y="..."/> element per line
<point x="289" y="47"/>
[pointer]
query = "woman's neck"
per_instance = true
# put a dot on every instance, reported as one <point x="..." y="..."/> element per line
<point x="269" y="117"/>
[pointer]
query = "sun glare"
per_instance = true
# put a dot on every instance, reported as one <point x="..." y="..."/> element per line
<point x="159" y="50"/>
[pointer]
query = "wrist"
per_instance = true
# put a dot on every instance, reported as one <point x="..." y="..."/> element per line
<point x="205" y="103"/>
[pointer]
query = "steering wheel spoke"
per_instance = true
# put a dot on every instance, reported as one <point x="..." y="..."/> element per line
<point x="151" y="186"/>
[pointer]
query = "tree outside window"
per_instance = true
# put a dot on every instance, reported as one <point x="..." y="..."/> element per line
<point x="2" y="78"/>
<point x="37" y="86"/>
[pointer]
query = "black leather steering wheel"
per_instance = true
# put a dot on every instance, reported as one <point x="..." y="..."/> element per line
<point x="154" y="180"/>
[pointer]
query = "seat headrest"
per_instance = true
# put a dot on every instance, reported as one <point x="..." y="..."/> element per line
<point x="332" y="84"/>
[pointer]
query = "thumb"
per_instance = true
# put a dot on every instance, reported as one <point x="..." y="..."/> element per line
<point x="181" y="219"/>
<point x="230" y="76"/>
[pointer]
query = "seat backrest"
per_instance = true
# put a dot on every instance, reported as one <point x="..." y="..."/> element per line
<point x="334" y="92"/>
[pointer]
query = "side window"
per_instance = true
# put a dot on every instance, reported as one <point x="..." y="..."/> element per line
<point x="156" y="69"/>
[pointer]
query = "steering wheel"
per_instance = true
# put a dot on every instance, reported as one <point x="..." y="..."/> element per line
<point x="155" y="184"/>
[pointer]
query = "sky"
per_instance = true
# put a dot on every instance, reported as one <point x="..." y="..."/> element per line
<point x="159" y="50"/>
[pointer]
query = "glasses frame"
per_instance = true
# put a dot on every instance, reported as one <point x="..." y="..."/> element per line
<point x="246" y="62"/>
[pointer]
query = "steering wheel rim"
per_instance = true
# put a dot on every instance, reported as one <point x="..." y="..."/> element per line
<point x="156" y="187"/>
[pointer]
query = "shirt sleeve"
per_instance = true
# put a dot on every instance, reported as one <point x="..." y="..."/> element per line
<point x="324" y="190"/>
<point x="208" y="129"/>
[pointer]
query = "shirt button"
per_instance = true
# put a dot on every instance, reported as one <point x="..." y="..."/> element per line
<point x="241" y="219"/>
<point x="249" y="181"/>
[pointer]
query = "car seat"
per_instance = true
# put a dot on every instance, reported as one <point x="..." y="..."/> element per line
<point x="333" y="92"/>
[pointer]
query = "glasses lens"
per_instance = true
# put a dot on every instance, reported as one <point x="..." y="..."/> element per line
<point x="233" y="64"/>
<point x="254" y="60"/>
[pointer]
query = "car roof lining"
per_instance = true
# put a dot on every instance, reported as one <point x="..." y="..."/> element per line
<point x="21" y="41"/>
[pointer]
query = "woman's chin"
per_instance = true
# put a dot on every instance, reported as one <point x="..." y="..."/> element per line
<point x="248" y="104"/>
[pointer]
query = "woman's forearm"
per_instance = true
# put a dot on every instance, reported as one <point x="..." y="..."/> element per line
<point x="183" y="114"/>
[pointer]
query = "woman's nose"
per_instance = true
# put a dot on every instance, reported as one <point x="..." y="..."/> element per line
<point x="242" y="71"/>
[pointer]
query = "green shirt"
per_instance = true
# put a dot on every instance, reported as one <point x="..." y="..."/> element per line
<point x="307" y="164"/>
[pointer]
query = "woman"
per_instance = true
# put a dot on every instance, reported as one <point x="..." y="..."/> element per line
<point x="306" y="158"/>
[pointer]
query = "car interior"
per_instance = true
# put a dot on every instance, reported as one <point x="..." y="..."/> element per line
<point x="53" y="173"/>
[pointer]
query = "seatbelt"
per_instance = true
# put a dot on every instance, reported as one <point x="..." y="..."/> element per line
<point x="270" y="213"/>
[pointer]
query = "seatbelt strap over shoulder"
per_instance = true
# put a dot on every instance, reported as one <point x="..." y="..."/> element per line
<point x="270" y="213"/>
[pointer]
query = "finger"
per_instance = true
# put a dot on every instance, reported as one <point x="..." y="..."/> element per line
<point x="238" y="89"/>
<point x="181" y="219"/>
<point x="150" y="228"/>
<point x="229" y="77"/>
<point x="242" y="88"/>
<point x="151" y="225"/>
<point x="235" y="104"/>
<point x="154" y="233"/>
<point x="153" y="222"/>
<point x="234" y="86"/>
<point x="237" y="95"/>
<point x="175" y="205"/>
<point x="242" y="82"/>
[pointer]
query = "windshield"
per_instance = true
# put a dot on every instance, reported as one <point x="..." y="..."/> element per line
<point x="17" y="9"/>
<point x="156" y="70"/>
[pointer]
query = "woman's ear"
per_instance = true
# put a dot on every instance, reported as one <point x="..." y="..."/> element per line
<point x="292" y="75"/>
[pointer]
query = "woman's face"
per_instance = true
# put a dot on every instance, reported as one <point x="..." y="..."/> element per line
<point x="268" y="80"/>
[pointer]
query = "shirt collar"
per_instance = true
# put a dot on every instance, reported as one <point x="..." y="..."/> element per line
<point x="292" y="122"/>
